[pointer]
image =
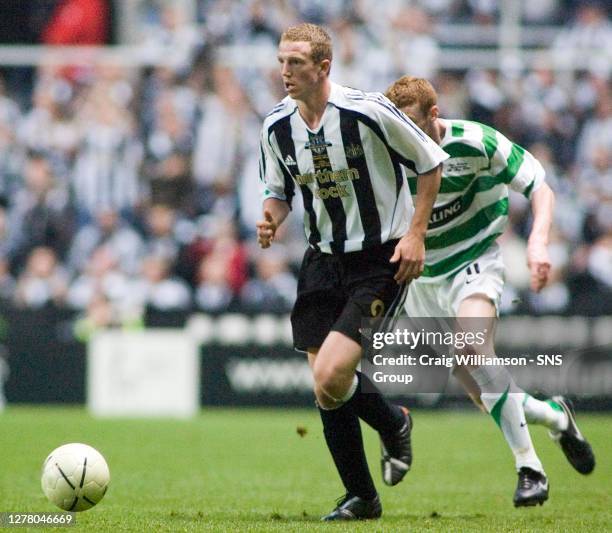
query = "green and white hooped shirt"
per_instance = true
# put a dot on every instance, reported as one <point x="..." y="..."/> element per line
<point x="471" y="209"/>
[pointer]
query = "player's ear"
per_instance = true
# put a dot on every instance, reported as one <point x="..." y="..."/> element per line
<point x="434" y="112"/>
<point x="325" y="66"/>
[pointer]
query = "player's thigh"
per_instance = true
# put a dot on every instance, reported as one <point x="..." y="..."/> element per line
<point x="427" y="299"/>
<point x="319" y="301"/>
<point x="372" y="293"/>
<point x="478" y="283"/>
<point x="337" y="360"/>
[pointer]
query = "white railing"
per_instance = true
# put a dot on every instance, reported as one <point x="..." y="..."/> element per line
<point x="257" y="56"/>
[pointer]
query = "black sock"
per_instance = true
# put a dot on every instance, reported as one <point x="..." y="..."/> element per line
<point x="371" y="406"/>
<point x="343" y="436"/>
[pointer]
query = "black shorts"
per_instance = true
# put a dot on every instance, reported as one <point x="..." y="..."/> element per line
<point x="337" y="292"/>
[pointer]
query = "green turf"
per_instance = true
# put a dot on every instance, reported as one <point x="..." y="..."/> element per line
<point x="249" y="470"/>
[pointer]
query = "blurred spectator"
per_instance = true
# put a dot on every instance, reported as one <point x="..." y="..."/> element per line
<point x="540" y="12"/>
<point x="600" y="259"/>
<point x="215" y="236"/>
<point x="6" y="244"/>
<point x="486" y="96"/>
<point x="161" y="239"/>
<point x="108" y="229"/>
<point x="588" y="40"/>
<point x="106" y="172"/>
<point x="226" y="137"/>
<point x="453" y="98"/>
<point x="48" y="127"/>
<point x="412" y="38"/>
<point x="174" y="36"/>
<point x="7" y="282"/>
<point x="594" y="180"/>
<point x="483" y="11"/>
<point x="355" y="46"/>
<point x="223" y="19"/>
<point x="544" y="113"/>
<point x="43" y="282"/>
<point x="274" y="288"/>
<point x="11" y="151"/>
<point x="597" y="130"/>
<point x="40" y="215"/>
<point x="591" y="285"/>
<point x="157" y="289"/>
<point x="168" y="150"/>
<point x="101" y="314"/>
<point x="213" y="291"/>
<point x="102" y="278"/>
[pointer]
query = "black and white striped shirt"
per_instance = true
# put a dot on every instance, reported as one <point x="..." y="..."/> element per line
<point x="351" y="172"/>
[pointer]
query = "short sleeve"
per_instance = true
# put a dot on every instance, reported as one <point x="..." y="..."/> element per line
<point x="273" y="177"/>
<point x="516" y="167"/>
<point x="406" y="138"/>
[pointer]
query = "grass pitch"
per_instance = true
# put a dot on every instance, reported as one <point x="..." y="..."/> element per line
<point x="250" y="470"/>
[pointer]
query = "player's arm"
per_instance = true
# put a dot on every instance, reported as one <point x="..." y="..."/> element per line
<point x="424" y="156"/>
<point x="275" y="211"/>
<point x="538" y="260"/>
<point x="524" y="174"/>
<point x="274" y="186"/>
<point x="410" y="250"/>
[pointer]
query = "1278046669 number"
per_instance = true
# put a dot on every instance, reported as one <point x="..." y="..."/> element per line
<point x="37" y="519"/>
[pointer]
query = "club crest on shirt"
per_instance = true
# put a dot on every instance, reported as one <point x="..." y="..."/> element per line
<point x="317" y="144"/>
<point x="456" y="167"/>
<point x="353" y="151"/>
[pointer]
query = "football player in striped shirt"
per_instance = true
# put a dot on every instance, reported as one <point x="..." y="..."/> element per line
<point x="464" y="272"/>
<point x="348" y="152"/>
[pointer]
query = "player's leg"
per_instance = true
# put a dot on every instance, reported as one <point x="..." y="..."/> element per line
<point x="486" y="277"/>
<point x="319" y="302"/>
<point x="335" y="387"/>
<point x="462" y="374"/>
<point x="374" y="298"/>
<point x="547" y="413"/>
<point x="557" y="414"/>
<point x="504" y="401"/>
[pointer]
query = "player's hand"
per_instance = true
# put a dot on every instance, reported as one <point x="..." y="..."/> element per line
<point x="538" y="262"/>
<point x="410" y="253"/>
<point x="266" y="230"/>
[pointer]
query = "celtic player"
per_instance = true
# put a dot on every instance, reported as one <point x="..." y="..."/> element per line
<point x="464" y="272"/>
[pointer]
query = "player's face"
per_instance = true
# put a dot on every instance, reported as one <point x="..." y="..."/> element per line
<point x="301" y="75"/>
<point x="423" y="120"/>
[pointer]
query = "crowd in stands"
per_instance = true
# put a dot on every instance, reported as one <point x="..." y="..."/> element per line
<point x="123" y="189"/>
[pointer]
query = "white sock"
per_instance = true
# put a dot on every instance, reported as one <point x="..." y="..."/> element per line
<point x="546" y="413"/>
<point x="506" y="407"/>
<point x="352" y="389"/>
<point x="339" y="403"/>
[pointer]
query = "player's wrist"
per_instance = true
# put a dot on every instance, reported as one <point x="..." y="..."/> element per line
<point x="537" y="239"/>
<point x="416" y="233"/>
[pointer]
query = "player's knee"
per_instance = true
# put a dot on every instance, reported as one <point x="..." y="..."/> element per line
<point x="323" y="400"/>
<point x="329" y="380"/>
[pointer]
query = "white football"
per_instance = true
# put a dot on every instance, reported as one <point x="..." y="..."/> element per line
<point x="75" y="477"/>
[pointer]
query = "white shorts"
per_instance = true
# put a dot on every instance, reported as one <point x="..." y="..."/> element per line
<point x="442" y="298"/>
